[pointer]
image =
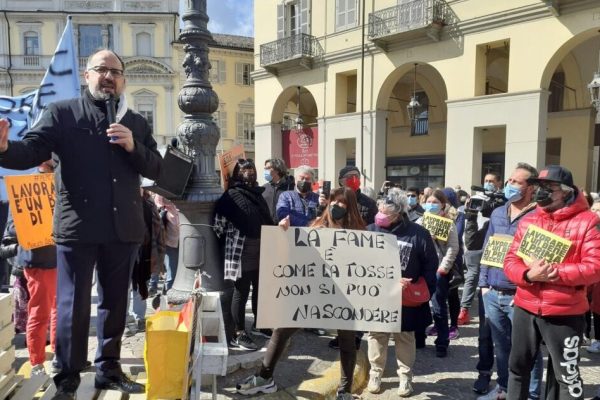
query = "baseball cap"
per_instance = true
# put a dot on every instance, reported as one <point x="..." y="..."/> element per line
<point x="553" y="173"/>
<point x="346" y="169"/>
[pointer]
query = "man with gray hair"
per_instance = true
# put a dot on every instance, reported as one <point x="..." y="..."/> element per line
<point x="278" y="181"/>
<point x="298" y="207"/>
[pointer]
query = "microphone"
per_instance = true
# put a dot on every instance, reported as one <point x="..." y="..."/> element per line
<point x="111" y="113"/>
<point x="111" y="109"/>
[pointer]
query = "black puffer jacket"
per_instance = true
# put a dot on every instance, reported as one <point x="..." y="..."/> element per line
<point x="274" y="190"/>
<point x="97" y="183"/>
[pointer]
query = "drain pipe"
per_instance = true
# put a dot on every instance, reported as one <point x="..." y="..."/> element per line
<point x="9" y="55"/>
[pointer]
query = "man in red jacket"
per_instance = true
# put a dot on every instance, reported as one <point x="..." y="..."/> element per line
<point x="550" y="301"/>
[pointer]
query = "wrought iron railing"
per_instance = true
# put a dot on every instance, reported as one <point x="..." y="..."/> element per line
<point x="295" y="46"/>
<point x="406" y="17"/>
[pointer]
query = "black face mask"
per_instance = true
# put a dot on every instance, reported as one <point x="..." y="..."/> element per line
<point x="543" y="197"/>
<point x="337" y="212"/>
<point x="303" y="186"/>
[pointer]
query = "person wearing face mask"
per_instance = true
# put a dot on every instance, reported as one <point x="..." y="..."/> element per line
<point x="415" y="211"/>
<point x="497" y="291"/>
<point x="239" y="215"/>
<point x="349" y="177"/>
<point x="550" y="299"/>
<point x="419" y="259"/>
<point x="299" y="206"/>
<point x="341" y="211"/>
<point x="278" y="181"/>
<point x="447" y="252"/>
<point x="492" y="182"/>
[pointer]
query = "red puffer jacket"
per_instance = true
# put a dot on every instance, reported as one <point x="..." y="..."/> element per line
<point x="581" y="267"/>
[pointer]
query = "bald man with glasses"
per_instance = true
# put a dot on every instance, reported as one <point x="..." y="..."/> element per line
<point x="98" y="218"/>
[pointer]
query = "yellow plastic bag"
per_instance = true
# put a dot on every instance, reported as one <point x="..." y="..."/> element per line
<point x="166" y="353"/>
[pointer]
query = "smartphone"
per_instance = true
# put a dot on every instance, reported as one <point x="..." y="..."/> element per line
<point x="326" y="188"/>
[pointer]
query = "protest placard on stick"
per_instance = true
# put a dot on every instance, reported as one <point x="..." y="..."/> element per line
<point x="329" y="278"/>
<point x="439" y="227"/>
<point x="31" y="200"/>
<point x="227" y="162"/>
<point x="538" y="243"/>
<point x="495" y="250"/>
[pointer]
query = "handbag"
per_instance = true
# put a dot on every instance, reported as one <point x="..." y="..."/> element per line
<point x="415" y="294"/>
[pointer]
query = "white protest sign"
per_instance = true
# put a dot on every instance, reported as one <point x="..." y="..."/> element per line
<point x="329" y="278"/>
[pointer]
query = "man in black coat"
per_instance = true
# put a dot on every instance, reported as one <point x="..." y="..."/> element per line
<point x="98" y="217"/>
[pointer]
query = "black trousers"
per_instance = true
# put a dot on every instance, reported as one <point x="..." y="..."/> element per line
<point x="562" y="336"/>
<point x="76" y="262"/>
<point x="250" y="264"/>
<point x="280" y="338"/>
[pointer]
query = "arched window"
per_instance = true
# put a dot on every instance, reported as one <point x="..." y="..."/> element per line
<point x="143" y="44"/>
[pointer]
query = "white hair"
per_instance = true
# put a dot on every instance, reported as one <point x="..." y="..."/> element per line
<point x="395" y="201"/>
<point x="304" y="169"/>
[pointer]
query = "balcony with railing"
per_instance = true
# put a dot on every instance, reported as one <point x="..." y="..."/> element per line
<point x="296" y="50"/>
<point x="412" y="20"/>
<point x="33" y="62"/>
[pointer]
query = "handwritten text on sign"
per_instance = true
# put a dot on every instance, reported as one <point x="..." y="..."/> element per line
<point x="31" y="200"/>
<point x="439" y="227"/>
<point x="538" y="243"/>
<point x="329" y="278"/>
<point x="495" y="250"/>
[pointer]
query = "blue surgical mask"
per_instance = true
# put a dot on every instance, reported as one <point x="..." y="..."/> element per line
<point x="268" y="176"/>
<point x="489" y="186"/>
<point x="412" y="201"/>
<point x="433" y="208"/>
<point x="511" y="191"/>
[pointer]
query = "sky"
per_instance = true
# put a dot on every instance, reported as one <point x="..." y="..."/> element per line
<point x="234" y="17"/>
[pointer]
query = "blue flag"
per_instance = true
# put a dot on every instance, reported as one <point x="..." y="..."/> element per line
<point x="60" y="82"/>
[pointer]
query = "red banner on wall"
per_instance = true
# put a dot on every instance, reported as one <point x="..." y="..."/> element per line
<point x="300" y="147"/>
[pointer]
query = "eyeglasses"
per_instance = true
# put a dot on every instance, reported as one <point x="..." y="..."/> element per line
<point x="105" y="70"/>
<point x="411" y="195"/>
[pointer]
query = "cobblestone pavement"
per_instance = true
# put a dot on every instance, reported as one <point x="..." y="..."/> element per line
<point x="308" y="357"/>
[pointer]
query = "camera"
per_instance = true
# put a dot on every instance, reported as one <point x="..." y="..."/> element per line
<point x="484" y="203"/>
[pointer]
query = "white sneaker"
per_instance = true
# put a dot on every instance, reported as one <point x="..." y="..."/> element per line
<point x="256" y="384"/>
<point x="38" y="370"/>
<point x="405" y="388"/>
<point x="497" y="394"/>
<point x="594" y="347"/>
<point x="374" y="385"/>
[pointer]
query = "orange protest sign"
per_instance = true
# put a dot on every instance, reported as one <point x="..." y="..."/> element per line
<point x="227" y="161"/>
<point x="31" y="200"/>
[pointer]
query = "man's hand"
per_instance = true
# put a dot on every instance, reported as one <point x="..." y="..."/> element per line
<point x="3" y="135"/>
<point x="285" y="223"/>
<point x="322" y="200"/>
<point x="542" y="271"/>
<point x="122" y="136"/>
<point x="441" y="271"/>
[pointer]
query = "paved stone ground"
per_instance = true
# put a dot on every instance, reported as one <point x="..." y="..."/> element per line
<point x="309" y="357"/>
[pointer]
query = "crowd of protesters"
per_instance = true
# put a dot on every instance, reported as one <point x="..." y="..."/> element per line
<point x="528" y="308"/>
<point x="548" y="303"/>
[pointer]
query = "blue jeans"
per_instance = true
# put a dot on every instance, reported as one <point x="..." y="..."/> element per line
<point x="171" y="260"/>
<point x="485" y="345"/>
<point x="138" y="306"/>
<point x="439" y="303"/>
<point x="499" y="313"/>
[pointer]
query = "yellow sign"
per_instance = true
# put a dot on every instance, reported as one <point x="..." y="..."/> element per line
<point x="439" y="227"/>
<point x="495" y="250"/>
<point x="227" y="162"/>
<point x="31" y="200"/>
<point x="538" y="243"/>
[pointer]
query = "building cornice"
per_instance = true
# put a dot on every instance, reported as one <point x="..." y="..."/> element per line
<point x="496" y="98"/>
